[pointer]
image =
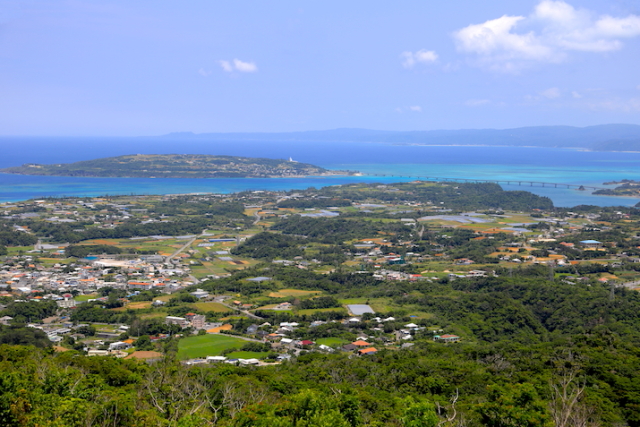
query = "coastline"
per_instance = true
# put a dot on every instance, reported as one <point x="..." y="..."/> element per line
<point x="355" y="174"/>
<point x="376" y="163"/>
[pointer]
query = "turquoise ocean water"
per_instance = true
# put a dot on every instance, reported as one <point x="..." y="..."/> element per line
<point x="399" y="163"/>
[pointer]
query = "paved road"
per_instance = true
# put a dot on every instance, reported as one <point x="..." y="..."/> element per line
<point x="242" y="311"/>
<point x="186" y="245"/>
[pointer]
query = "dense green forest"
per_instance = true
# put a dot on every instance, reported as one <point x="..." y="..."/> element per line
<point x="338" y="230"/>
<point x="588" y="380"/>
<point x="458" y="196"/>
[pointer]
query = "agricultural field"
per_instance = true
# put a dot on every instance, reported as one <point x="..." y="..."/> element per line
<point x="298" y="293"/>
<point x="210" y="306"/>
<point x="156" y="314"/>
<point x="137" y="305"/>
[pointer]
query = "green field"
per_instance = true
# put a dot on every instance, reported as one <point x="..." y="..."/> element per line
<point x="331" y="341"/>
<point x="206" y="345"/>
<point x="284" y="293"/>
<point x="86" y="297"/>
<point x="211" y="306"/>
<point x="158" y="313"/>
<point x="247" y="355"/>
<point x="18" y="250"/>
<point x="353" y="301"/>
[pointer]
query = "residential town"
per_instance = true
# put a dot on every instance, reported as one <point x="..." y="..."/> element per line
<point x="98" y="253"/>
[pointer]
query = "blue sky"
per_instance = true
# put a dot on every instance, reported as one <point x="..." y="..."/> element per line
<point x="123" y="68"/>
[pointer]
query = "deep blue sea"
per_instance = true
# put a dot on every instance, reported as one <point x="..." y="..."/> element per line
<point x="554" y="165"/>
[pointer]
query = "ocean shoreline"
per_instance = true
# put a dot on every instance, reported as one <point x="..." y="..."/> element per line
<point x="396" y="163"/>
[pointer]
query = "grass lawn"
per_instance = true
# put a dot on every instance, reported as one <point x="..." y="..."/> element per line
<point x="353" y="301"/>
<point x="331" y="341"/>
<point x="50" y="262"/>
<point x="379" y="305"/>
<point x="270" y="307"/>
<point x="154" y="314"/>
<point x="211" y="306"/>
<point x="15" y="250"/>
<point x="86" y="297"/>
<point x="247" y="355"/>
<point x="206" y="345"/>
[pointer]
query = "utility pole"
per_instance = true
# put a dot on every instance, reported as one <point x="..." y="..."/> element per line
<point x="612" y="292"/>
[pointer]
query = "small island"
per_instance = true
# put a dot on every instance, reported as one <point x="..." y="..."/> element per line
<point x="177" y="166"/>
<point x="626" y="187"/>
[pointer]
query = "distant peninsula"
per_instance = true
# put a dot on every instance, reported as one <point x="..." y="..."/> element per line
<point x="177" y="166"/>
<point x="626" y="187"/>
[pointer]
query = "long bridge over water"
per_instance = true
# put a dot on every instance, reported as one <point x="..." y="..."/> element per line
<point x="518" y="182"/>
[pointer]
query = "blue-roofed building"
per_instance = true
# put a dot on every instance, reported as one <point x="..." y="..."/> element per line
<point x="591" y="244"/>
<point x="258" y="279"/>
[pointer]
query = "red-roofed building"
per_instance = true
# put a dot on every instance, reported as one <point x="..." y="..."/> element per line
<point x="446" y="338"/>
<point x="305" y="343"/>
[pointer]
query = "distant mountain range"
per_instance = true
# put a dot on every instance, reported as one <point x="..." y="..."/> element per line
<point x="612" y="137"/>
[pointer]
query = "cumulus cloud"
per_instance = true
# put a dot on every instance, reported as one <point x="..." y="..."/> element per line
<point x="238" y="65"/>
<point x="226" y="66"/>
<point x="410" y="59"/>
<point x="551" y="93"/>
<point x="244" y="67"/>
<point x="554" y="30"/>
<point x="411" y="108"/>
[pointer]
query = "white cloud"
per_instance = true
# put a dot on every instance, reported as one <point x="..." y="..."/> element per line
<point x="555" y="29"/>
<point x="411" y="108"/>
<point x="409" y="59"/>
<point x="576" y="95"/>
<point x="238" y="65"/>
<point x="476" y="102"/>
<point x="495" y="37"/>
<point x="226" y="66"/>
<point x="551" y="93"/>
<point x="244" y="67"/>
<point x="204" y="73"/>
